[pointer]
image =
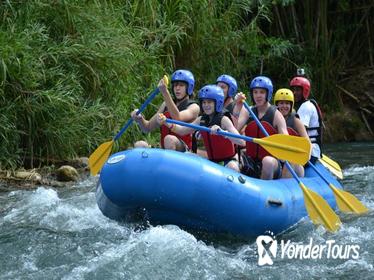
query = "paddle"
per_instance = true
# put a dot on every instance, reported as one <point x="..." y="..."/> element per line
<point x="318" y="209"/>
<point x="331" y="165"/>
<point x="285" y="147"/>
<point x="101" y="154"/>
<point x="346" y="201"/>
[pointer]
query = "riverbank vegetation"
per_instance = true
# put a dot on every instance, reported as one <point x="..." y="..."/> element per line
<point x="71" y="71"/>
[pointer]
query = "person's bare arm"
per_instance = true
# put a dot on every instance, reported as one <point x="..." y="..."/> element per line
<point x="227" y="124"/>
<point x="243" y="118"/>
<point x="239" y="99"/>
<point x="178" y="129"/>
<point x="147" y="125"/>
<point x="188" y="115"/>
<point x="280" y="123"/>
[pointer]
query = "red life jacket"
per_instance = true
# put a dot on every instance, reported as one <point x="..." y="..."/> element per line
<point x="218" y="148"/>
<point x="290" y="121"/>
<point x="253" y="150"/>
<point x="187" y="139"/>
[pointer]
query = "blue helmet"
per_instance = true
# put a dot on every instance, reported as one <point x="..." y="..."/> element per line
<point x="262" y="82"/>
<point x="184" y="76"/>
<point x="213" y="92"/>
<point x="231" y="82"/>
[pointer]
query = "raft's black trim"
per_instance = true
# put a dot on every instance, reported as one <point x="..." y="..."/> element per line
<point x="275" y="202"/>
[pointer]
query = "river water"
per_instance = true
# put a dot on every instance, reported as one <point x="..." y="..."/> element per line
<point x="61" y="234"/>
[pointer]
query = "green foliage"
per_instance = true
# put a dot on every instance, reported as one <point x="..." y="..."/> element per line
<point x="67" y="74"/>
<point x="72" y="71"/>
<point x="332" y="38"/>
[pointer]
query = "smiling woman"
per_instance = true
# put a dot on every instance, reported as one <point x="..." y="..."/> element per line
<point x="284" y="100"/>
<point x="208" y="106"/>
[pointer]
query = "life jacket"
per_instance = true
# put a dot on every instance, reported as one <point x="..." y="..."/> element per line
<point x="187" y="139"/>
<point x="218" y="148"/>
<point x="316" y="138"/>
<point x="290" y="122"/>
<point x="253" y="150"/>
<point x="197" y="132"/>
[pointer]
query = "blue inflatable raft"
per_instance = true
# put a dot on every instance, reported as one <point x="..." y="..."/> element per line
<point x="167" y="187"/>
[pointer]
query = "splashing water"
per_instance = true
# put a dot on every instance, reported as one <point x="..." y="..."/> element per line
<point x="61" y="234"/>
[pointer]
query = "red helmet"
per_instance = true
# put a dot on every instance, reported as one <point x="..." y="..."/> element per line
<point x="301" y="82"/>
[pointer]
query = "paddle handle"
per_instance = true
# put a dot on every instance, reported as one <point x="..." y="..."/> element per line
<point x="207" y="129"/>
<point x="141" y="109"/>
<point x="259" y="124"/>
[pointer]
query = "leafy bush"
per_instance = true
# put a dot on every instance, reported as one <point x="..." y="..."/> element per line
<point x="71" y="71"/>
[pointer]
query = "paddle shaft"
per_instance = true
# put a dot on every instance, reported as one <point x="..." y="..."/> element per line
<point x="318" y="172"/>
<point x="141" y="109"/>
<point x="256" y="119"/>
<point x="207" y="129"/>
<point x="259" y="124"/>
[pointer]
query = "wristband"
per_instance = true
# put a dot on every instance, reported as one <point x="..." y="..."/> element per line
<point x="138" y="118"/>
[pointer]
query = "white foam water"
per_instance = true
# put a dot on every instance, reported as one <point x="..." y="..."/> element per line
<point x="61" y="234"/>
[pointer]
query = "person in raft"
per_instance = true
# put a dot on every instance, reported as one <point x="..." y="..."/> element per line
<point x="229" y="87"/>
<point x="257" y="162"/>
<point x="284" y="100"/>
<point x="219" y="149"/>
<point x="181" y="108"/>
<point x="310" y="114"/>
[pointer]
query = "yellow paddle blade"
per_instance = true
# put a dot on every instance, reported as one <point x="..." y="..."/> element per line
<point x="347" y="202"/>
<point x="331" y="162"/>
<point x="286" y="147"/>
<point x="99" y="157"/>
<point x="319" y="210"/>
<point x="332" y="166"/>
<point x="166" y="78"/>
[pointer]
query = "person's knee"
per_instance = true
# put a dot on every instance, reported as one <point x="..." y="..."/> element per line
<point x="233" y="165"/>
<point x="286" y="173"/>
<point x="299" y="170"/>
<point x="202" y="153"/>
<point x="170" y="142"/>
<point x="141" y="144"/>
<point x="269" y="163"/>
<point x="269" y="167"/>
